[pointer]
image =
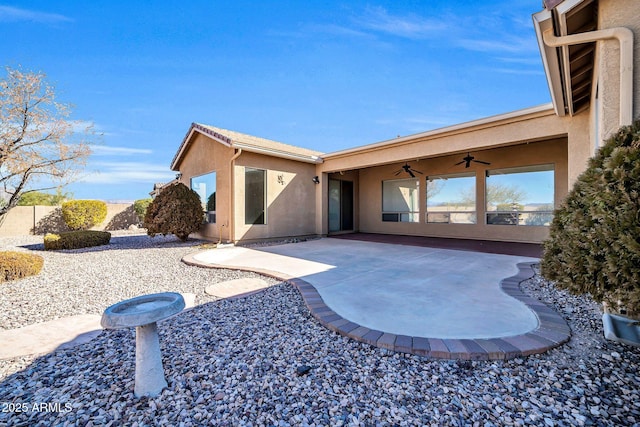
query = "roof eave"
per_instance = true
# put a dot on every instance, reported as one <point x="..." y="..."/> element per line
<point x="487" y="121"/>
<point x="278" y="153"/>
<point x="543" y="21"/>
<point x="222" y="139"/>
<point x="195" y="127"/>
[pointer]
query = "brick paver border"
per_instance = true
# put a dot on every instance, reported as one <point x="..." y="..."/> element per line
<point x="551" y="332"/>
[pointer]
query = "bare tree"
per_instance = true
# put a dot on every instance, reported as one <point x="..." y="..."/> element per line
<point x="40" y="147"/>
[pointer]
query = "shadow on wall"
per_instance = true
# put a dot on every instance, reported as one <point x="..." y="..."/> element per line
<point x="52" y="223"/>
<point x="123" y="220"/>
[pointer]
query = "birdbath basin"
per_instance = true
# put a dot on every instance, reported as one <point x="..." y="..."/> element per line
<point x="142" y="313"/>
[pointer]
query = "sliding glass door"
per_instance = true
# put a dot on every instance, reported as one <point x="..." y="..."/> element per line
<point x="340" y="205"/>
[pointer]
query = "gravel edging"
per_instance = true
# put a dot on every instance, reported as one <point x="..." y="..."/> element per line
<point x="88" y="280"/>
<point x="237" y="363"/>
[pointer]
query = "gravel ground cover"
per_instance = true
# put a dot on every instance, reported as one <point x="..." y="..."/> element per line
<point x="263" y="360"/>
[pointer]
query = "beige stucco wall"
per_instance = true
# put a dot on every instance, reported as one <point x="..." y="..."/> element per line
<point x="24" y="220"/>
<point x="203" y="156"/>
<point x="611" y="14"/>
<point x="514" y="141"/>
<point x="291" y="204"/>
<point x="512" y="130"/>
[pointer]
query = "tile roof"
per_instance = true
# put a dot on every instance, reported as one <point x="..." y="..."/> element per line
<point x="247" y="142"/>
<point x="238" y="137"/>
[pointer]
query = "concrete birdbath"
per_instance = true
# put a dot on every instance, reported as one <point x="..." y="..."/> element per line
<point x="142" y="313"/>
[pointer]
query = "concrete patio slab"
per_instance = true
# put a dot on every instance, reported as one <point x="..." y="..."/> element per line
<point x="41" y="338"/>
<point x="236" y="288"/>
<point x="398" y="294"/>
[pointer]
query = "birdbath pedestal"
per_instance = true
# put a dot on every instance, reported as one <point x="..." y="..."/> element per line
<point x="142" y="313"/>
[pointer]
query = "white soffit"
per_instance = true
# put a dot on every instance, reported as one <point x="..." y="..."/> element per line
<point x="574" y="17"/>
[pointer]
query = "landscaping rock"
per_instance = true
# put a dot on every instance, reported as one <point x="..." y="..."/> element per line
<point x="234" y="362"/>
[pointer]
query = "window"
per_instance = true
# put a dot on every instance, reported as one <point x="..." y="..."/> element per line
<point x="254" y="196"/>
<point x="205" y="186"/>
<point x="520" y="196"/>
<point x="451" y="199"/>
<point x="400" y="200"/>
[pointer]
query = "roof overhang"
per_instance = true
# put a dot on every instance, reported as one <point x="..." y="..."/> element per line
<point x="196" y="128"/>
<point x="569" y="68"/>
<point x="228" y="142"/>
<point x="487" y="122"/>
<point x="277" y="153"/>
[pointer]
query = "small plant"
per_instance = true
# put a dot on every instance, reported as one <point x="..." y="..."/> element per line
<point x="594" y="243"/>
<point x="15" y="265"/>
<point x="176" y="210"/>
<point x="140" y="207"/>
<point x="76" y="239"/>
<point x="83" y="214"/>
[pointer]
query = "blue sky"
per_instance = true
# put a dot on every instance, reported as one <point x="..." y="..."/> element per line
<point x="325" y="75"/>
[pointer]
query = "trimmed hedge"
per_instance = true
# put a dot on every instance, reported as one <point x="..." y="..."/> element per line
<point x="76" y="239"/>
<point x="16" y="265"/>
<point x="175" y="210"/>
<point x="594" y="244"/>
<point x="83" y="214"/>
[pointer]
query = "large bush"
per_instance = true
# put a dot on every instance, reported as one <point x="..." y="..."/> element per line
<point x="594" y="243"/>
<point x="15" y="265"/>
<point x="76" y="239"/>
<point x="176" y="210"/>
<point x="140" y="207"/>
<point x="83" y="214"/>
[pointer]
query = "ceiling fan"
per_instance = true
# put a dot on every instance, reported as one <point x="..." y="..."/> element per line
<point x="408" y="169"/>
<point x="468" y="159"/>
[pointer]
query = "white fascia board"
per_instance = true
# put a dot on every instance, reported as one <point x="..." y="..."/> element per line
<point x="181" y="149"/>
<point x="543" y="21"/>
<point x="278" y="153"/>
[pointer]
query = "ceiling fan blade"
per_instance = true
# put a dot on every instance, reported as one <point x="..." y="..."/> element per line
<point x="480" y="161"/>
<point x="459" y="163"/>
<point x="397" y="173"/>
<point x="417" y="171"/>
<point x="468" y="164"/>
<point x="411" y="173"/>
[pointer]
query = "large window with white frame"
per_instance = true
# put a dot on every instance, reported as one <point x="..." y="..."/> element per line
<point x="451" y="199"/>
<point x="205" y="186"/>
<point x="520" y="195"/>
<point x="400" y="200"/>
<point x="255" y="187"/>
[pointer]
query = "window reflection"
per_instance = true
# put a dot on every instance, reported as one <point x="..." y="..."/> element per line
<point x="520" y="196"/>
<point x="205" y="186"/>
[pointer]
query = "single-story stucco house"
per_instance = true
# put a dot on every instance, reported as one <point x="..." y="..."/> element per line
<point x="497" y="178"/>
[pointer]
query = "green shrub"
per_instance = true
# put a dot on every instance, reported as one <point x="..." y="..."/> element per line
<point x="594" y="243"/>
<point x="76" y="239"/>
<point x="176" y="210"/>
<point x="15" y="265"/>
<point x="83" y="214"/>
<point x="37" y="198"/>
<point x="140" y="207"/>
